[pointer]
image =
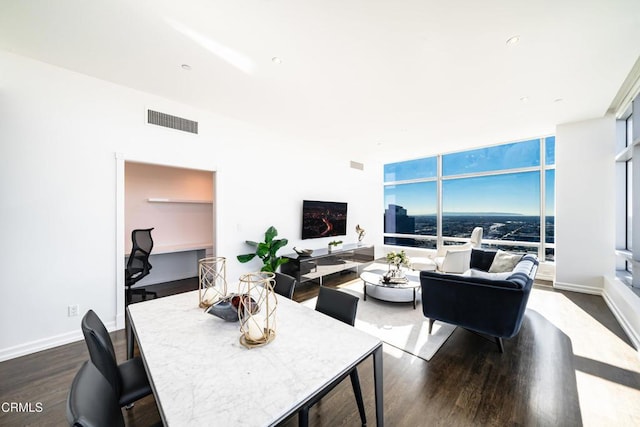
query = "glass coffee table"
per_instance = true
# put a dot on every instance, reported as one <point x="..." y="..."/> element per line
<point x="375" y="287"/>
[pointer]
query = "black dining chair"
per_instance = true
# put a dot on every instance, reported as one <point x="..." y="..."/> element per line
<point x="91" y="401"/>
<point x="128" y="379"/>
<point x="138" y="265"/>
<point x="285" y="285"/>
<point x="341" y="306"/>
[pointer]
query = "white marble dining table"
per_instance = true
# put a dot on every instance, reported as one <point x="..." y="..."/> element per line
<point x="202" y="375"/>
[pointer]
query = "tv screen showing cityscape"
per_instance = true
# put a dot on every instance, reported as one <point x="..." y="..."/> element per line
<point x="323" y="219"/>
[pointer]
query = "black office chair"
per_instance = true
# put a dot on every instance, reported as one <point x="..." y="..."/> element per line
<point x="343" y="307"/>
<point x="129" y="379"/>
<point x="91" y="401"/>
<point x="285" y="285"/>
<point x="138" y="265"/>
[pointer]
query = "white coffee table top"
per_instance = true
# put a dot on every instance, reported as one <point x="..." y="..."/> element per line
<point x="374" y="277"/>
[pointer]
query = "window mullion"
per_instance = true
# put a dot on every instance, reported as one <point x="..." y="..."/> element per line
<point x="439" y="241"/>
<point x="542" y="252"/>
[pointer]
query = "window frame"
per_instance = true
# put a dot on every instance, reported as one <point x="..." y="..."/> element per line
<point x="541" y="245"/>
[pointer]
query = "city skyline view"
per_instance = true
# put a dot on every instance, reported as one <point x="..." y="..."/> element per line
<point x="497" y="188"/>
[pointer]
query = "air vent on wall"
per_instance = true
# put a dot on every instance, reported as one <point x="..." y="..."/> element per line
<point x="357" y="165"/>
<point x="173" y="122"/>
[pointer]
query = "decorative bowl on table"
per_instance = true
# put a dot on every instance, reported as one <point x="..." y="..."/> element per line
<point x="303" y="252"/>
<point x="227" y="309"/>
<point x="224" y="310"/>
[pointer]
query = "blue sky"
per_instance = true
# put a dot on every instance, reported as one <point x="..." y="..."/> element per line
<point x="418" y="198"/>
<point x="512" y="193"/>
<point x="517" y="193"/>
<point x="499" y="157"/>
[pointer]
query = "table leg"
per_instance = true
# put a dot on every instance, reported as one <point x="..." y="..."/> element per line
<point x="129" y="337"/>
<point x="414" y="298"/>
<point x="365" y="290"/>
<point x="303" y="417"/>
<point x="377" y="379"/>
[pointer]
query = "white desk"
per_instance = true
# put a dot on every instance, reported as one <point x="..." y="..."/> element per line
<point x="173" y="262"/>
<point x="202" y="375"/>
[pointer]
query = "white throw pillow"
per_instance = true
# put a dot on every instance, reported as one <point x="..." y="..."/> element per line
<point x="455" y="261"/>
<point x="504" y="261"/>
<point x="491" y="276"/>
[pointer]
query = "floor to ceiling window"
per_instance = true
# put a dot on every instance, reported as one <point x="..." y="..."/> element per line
<point x="507" y="189"/>
<point x="411" y="203"/>
<point x="628" y="147"/>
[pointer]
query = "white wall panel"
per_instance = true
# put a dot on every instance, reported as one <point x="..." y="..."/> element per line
<point x="585" y="203"/>
<point x="60" y="132"/>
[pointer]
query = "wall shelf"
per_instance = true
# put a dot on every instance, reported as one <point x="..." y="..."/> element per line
<point x="166" y="200"/>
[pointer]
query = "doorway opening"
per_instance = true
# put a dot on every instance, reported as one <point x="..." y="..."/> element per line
<point x="178" y="202"/>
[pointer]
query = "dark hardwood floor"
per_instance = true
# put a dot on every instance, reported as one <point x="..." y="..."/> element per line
<point x="570" y="365"/>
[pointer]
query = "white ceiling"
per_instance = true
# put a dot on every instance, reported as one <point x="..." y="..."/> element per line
<point x="374" y="75"/>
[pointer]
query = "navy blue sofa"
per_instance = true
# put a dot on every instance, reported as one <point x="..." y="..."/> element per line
<point x="488" y="306"/>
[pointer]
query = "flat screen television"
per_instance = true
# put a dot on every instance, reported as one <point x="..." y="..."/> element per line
<point x="323" y="219"/>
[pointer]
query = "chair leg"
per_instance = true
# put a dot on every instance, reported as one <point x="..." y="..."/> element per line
<point x="500" y="344"/>
<point x="431" y="322"/>
<point x="355" y="382"/>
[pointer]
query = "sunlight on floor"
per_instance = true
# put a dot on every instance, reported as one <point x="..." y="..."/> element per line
<point x="604" y="363"/>
<point x="607" y="403"/>
<point x="395" y="352"/>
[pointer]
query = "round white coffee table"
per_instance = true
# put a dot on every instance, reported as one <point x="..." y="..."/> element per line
<point x="394" y="292"/>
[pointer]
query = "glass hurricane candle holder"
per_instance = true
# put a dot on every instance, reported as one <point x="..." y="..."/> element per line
<point x="257" y="309"/>
<point x="212" y="275"/>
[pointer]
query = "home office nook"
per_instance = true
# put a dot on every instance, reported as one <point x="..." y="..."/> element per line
<point x="178" y="204"/>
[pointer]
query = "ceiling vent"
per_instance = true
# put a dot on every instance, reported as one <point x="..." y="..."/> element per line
<point x="173" y="122"/>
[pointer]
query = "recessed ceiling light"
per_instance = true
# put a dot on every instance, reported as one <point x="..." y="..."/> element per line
<point x="186" y="67"/>
<point x="276" y="60"/>
<point x="558" y="100"/>
<point x="513" y="40"/>
<point x="524" y="99"/>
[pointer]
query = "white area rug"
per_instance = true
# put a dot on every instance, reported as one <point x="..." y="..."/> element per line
<point x="397" y="324"/>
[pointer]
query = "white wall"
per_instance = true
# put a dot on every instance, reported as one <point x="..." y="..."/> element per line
<point x="585" y="204"/>
<point x="59" y="135"/>
<point x="174" y="224"/>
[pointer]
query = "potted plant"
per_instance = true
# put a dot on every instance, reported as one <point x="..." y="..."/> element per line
<point x="396" y="260"/>
<point x="335" y="245"/>
<point x="266" y="251"/>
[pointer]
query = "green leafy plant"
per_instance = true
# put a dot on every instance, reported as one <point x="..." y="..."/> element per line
<point x="335" y="243"/>
<point x="267" y="250"/>
<point x="398" y="258"/>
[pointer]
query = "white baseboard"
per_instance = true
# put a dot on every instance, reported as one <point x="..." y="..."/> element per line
<point x="592" y="290"/>
<point x="628" y="328"/>
<point x="546" y="277"/>
<point x="45" y="344"/>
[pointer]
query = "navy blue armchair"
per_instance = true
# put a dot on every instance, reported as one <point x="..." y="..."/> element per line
<point x="494" y="307"/>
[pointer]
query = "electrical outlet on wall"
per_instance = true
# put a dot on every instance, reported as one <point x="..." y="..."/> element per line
<point x="73" y="310"/>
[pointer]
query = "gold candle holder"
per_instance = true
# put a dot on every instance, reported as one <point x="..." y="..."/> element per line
<point x="212" y="275"/>
<point x="257" y="309"/>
